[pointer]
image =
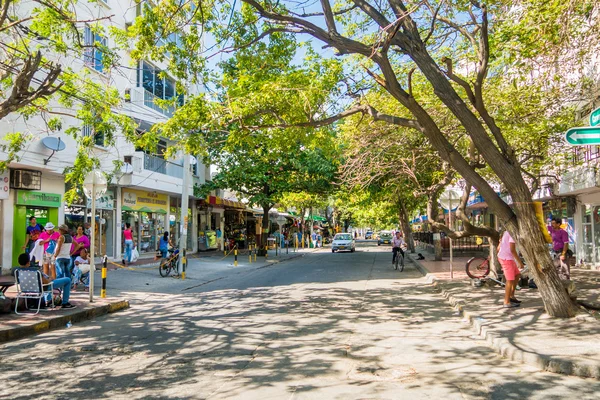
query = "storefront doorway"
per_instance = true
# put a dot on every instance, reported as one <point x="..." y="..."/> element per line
<point x="590" y="237"/>
<point x="145" y="211"/>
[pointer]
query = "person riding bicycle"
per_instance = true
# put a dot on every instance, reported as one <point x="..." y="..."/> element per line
<point x="397" y="244"/>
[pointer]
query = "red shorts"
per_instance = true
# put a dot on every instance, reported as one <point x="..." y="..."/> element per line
<point x="510" y="269"/>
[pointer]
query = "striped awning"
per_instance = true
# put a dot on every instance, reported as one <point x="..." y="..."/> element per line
<point x="219" y="201"/>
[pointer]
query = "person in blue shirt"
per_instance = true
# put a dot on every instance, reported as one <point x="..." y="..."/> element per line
<point x="163" y="245"/>
<point x="31" y="234"/>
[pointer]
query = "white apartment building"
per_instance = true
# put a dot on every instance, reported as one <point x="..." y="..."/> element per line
<point x="146" y="193"/>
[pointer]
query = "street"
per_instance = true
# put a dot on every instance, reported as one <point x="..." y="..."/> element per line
<point x="321" y="326"/>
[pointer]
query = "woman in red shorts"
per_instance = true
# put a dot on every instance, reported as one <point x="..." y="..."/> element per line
<point x="509" y="259"/>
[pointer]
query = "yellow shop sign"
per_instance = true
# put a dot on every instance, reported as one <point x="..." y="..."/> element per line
<point x="147" y="201"/>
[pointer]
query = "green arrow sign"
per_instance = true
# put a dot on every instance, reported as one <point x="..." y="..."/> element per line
<point x="595" y="117"/>
<point x="583" y="136"/>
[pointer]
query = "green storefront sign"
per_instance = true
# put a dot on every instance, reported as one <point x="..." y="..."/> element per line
<point x="595" y="117"/>
<point x="40" y="199"/>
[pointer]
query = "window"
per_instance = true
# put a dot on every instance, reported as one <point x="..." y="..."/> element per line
<point x="93" y="53"/>
<point x="88" y="130"/>
<point x="163" y="88"/>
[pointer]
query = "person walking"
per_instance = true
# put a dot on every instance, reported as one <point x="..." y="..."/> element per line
<point x="560" y="247"/>
<point x="509" y="259"/>
<point x="128" y="243"/>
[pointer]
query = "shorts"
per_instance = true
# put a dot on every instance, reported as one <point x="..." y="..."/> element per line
<point x="510" y="269"/>
<point x="47" y="258"/>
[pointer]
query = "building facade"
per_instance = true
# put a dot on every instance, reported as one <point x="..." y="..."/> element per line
<point x="147" y="192"/>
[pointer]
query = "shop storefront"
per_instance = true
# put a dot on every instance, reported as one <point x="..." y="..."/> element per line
<point x="146" y="212"/>
<point x="43" y="206"/>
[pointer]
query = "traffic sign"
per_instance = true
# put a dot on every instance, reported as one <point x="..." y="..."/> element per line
<point x="595" y="117"/>
<point x="583" y="136"/>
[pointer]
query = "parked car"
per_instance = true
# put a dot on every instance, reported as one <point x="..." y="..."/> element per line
<point x="369" y="235"/>
<point x="343" y="241"/>
<point x="385" y="237"/>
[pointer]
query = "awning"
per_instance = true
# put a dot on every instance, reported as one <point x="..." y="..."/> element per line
<point x="317" y="218"/>
<point x="218" y="201"/>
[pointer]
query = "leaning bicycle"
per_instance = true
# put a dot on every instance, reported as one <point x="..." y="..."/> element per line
<point x="169" y="264"/>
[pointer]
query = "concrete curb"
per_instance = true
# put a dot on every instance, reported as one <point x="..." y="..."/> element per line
<point x="503" y="346"/>
<point x="60" y="321"/>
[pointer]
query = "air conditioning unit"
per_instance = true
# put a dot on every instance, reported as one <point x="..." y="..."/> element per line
<point x="25" y="179"/>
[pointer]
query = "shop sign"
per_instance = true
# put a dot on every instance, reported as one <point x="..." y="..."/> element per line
<point x="140" y="200"/>
<point x="27" y="198"/>
<point x="4" y="184"/>
<point x="106" y="202"/>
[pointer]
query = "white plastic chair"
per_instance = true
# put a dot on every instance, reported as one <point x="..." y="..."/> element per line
<point x="30" y="286"/>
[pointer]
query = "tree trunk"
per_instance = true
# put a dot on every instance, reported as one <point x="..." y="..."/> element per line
<point x="265" y="229"/>
<point x="405" y="224"/>
<point x="495" y="266"/>
<point x="527" y="233"/>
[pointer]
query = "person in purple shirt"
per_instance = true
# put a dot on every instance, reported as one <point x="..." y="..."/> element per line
<point x="560" y="245"/>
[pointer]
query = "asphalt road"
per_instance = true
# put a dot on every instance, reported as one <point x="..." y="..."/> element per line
<point x="324" y="326"/>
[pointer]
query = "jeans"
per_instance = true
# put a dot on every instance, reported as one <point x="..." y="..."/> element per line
<point x="163" y="253"/>
<point x="63" y="269"/>
<point x="128" y="249"/>
<point x="65" y="285"/>
<point x="395" y="250"/>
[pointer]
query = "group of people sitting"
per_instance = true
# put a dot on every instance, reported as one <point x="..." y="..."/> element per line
<point x="62" y="256"/>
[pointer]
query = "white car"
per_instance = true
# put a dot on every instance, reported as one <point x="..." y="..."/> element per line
<point x="343" y="241"/>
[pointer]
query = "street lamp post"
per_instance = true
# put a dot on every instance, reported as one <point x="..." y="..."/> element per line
<point x="446" y="200"/>
<point x="94" y="186"/>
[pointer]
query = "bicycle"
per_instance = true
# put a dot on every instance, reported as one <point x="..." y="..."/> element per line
<point x="169" y="264"/>
<point x="399" y="261"/>
<point x="479" y="268"/>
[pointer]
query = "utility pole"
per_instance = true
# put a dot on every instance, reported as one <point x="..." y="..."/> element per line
<point x="183" y="223"/>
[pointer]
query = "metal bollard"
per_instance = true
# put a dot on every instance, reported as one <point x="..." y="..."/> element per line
<point x="276" y="246"/>
<point x="104" y="265"/>
<point x="235" y="262"/>
<point x="266" y="252"/>
<point x="183" y="265"/>
<point x="254" y="250"/>
<point x="250" y="254"/>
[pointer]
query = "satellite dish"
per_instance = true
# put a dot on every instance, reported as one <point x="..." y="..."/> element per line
<point x="193" y="160"/>
<point x="54" y="144"/>
<point x="450" y="196"/>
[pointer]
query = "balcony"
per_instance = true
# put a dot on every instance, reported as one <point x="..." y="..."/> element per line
<point x="141" y="96"/>
<point x="162" y="166"/>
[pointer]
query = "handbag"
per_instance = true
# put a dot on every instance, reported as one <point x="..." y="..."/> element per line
<point x="135" y="254"/>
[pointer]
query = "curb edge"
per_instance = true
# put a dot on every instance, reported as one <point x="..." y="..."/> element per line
<point x="60" y="321"/>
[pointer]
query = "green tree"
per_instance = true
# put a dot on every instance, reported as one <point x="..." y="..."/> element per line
<point x="37" y="36"/>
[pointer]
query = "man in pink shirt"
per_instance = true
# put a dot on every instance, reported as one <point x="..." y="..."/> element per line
<point x="48" y="239"/>
<point x="560" y="246"/>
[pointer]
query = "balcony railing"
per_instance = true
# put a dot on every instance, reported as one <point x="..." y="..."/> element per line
<point x="162" y="166"/>
<point x="150" y="101"/>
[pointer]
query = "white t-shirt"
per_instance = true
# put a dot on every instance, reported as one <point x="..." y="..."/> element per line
<point x="505" y="253"/>
<point x="83" y="265"/>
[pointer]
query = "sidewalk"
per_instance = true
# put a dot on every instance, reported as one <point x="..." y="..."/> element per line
<point x="527" y="333"/>
<point x="15" y="326"/>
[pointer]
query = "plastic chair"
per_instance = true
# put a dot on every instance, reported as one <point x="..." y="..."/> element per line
<point x="30" y="286"/>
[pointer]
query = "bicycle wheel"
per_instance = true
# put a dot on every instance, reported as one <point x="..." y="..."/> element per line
<point x="401" y="262"/>
<point x="396" y="260"/>
<point x="164" y="268"/>
<point x="477" y="268"/>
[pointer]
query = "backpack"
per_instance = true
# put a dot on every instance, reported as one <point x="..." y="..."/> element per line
<point x="51" y="247"/>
